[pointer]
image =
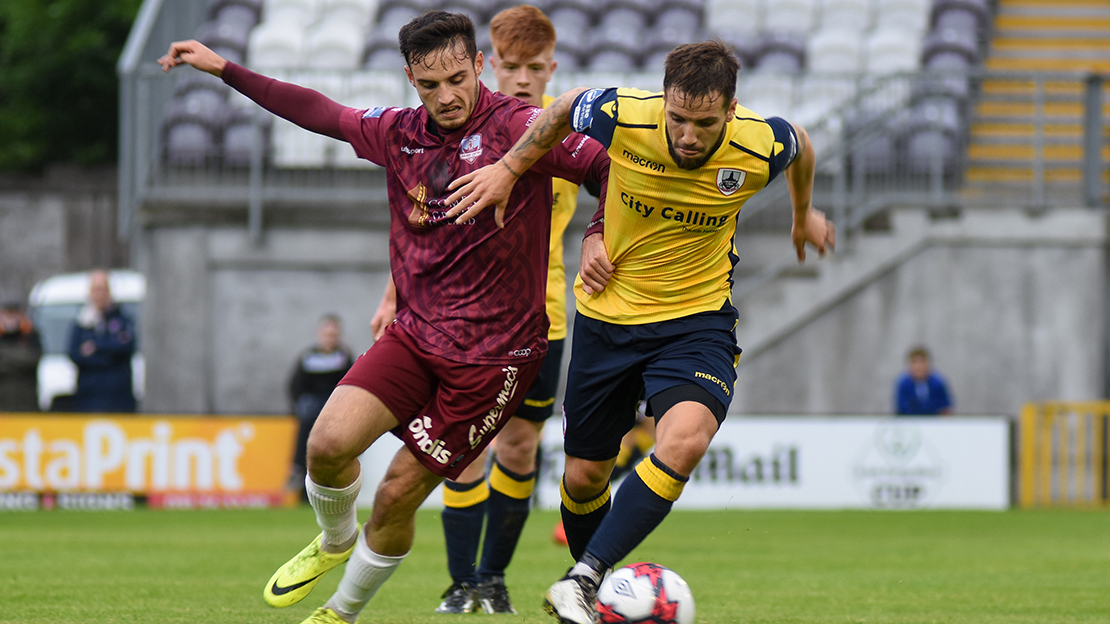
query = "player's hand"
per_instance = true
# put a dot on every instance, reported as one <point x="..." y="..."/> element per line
<point x="385" y="315"/>
<point x="814" y="229"/>
<point x="475" y="191"/>
<point x="193" y="53"/>
<point x="595" y="268"/>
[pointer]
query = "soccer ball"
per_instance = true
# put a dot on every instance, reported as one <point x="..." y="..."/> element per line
<point x="645" y="593"/>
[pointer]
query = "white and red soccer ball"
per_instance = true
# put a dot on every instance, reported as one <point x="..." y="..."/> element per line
<point x="645" y="593"/>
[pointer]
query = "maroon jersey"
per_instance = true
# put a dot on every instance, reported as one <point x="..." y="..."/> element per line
<point x="470" y="293"/>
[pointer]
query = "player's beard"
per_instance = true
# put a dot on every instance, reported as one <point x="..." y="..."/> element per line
<point x="694" y="163"/>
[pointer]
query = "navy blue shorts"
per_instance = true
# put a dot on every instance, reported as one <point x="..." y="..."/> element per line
<point x="539" y="403"/>
<point x="613" y="366"/>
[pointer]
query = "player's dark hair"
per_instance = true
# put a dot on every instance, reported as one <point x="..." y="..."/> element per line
<point x="918" y="351"/>
<point x="522" y="30"/>
<point x="435" y="31"/>
<point x="699" y="70"/>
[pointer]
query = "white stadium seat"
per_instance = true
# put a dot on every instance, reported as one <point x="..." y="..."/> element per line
<point x="356" y="12"/>
<point x="797" y="16"/>
<point x="832" y="50"/>
<point x="889" y="50"/>
<point x="301" y="12"/>
<point x="854" y="16"/>
<point x="738" y="17"/>
<point x="909" y="16"/>
<point x="275" y="44"/>
<point x="768" y="94"/>
<point x="334" y="44"/>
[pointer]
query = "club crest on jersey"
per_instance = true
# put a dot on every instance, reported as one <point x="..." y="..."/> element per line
<point x="730" y="180"/>
<point x="471" y="148"/>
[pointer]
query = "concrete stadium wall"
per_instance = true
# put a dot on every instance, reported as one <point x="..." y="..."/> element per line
<point x="1007" y="322"/>
<point x="63" y="220"/>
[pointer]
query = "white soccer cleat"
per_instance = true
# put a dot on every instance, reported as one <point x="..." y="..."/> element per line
<point x="572" y="600"/>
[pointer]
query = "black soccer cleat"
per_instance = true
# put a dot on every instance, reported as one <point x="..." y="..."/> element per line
<point x="459" y="598"/>
<point x="493" y="596"/>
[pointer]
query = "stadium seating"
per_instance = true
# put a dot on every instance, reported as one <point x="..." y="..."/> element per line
<point x="802" y="58"/>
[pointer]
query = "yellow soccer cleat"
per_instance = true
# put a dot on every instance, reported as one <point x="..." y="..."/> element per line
<point x="294" y="580"/>
<point x="324" y="615"/>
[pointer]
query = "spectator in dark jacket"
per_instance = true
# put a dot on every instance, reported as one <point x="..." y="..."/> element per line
<point x="920" y="391"/>
<point x="20" y="350"/>
<point x="101" y="343"/>
<point x="317" y="372"/>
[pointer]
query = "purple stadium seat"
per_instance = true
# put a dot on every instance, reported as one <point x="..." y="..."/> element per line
<point x="952" y="41"/>
<point x="228" y="39"/>
<point x="966" y="15"/>
<point x="239" y="137"/>
<point x="781" y="52"/>
<point x="247" y="12"/>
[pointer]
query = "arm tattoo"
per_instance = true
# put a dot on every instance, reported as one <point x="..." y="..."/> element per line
<point x="544" y="133"/>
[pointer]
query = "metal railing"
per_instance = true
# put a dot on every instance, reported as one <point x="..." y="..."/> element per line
<point x="1063" y="458"/>
<point x="881" y="141"/>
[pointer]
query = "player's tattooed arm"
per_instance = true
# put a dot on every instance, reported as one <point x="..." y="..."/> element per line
<point x="492" y="184"/>
<point x="810" y="225"/>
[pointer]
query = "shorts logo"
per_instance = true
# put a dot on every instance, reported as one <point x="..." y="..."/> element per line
<point x="471" y="148"/>
<point x="490" y="420"/>
<point x="419" y="428"/>
<point x="730" y="180"/>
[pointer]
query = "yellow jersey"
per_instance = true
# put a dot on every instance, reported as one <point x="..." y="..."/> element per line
<point x="564" y="196"/>
<point x="669" y="232"/>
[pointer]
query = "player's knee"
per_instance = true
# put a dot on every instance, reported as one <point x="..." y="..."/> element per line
<point x="326" y="454"/>
<point x="586" y="479"/>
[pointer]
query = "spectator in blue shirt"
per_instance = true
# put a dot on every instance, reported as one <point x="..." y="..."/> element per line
<point x="920" y="391"/>
<point x="101" y="343"/>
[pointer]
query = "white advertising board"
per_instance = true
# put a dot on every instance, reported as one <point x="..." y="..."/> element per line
<point x="814" y="463"/>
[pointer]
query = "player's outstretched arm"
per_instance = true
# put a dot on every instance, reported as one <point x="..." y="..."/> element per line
<point x="492" y="184"/>
<point x="810" y="225"/>
<point x="193" y="53"/>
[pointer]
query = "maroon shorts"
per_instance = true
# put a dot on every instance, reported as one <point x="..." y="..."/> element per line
<point x="448" y="411"/>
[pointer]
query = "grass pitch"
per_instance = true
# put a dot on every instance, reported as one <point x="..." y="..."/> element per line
<point x="743" y="566"/>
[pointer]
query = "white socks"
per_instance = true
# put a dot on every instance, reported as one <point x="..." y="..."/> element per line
<point x="335" y="512"/>
<point x="366" y="572"/>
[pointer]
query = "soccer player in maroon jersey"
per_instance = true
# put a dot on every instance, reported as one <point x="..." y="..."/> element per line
<point x="471" y="328"/>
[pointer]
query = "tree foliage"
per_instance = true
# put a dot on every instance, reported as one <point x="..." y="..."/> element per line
<point x="59" y="94"/>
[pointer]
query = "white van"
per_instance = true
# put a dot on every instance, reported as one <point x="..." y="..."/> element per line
<point x="53" y="307"/>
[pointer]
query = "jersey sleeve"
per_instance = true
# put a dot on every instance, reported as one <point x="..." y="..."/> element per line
<point x="366" y="130"/>
<point x="594" y="113"/>
<point x="785" y="148"/>
<point x="576" y="159"/>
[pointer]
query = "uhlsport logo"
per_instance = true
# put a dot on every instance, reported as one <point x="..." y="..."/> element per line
<point x="471" y="148"/>
<point x="898" y="468"/>
<point x="434" y="447"/>
<point x="730" y="180"/>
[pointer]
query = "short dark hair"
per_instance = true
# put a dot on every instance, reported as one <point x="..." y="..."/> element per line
<point x="918" y="351"/>
<point x="434" y="31"/>
<point x="703" y="69"/>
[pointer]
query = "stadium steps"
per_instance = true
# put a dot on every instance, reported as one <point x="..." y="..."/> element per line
<point x="1036" y="36"/>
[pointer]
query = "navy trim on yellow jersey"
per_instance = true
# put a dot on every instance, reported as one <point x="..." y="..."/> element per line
<point x="639" y="126"/>
<point x="587" y="117"/>
<point x="748" y="151"/>
<point x="784" y="135"/>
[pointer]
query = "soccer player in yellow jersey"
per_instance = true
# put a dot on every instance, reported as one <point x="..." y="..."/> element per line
<point x="523" y="45"/>
<point x="654" y="293"/>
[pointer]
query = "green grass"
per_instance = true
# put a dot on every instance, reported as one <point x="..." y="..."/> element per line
<point x="749" y="567"/>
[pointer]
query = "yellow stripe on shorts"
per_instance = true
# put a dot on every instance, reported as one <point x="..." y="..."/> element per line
<point x="467" y="498"/>
<point x="661" y="483"/>
<point x="581" y="509"/>
<point x="509" y="486"/>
